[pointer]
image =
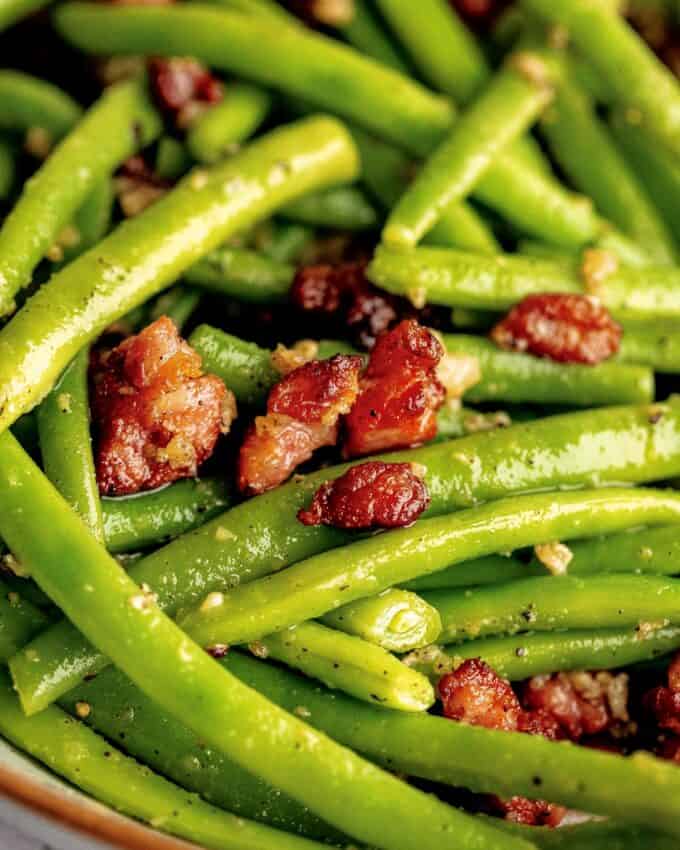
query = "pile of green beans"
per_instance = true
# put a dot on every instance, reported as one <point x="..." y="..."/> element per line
<point x="200" y="659"/>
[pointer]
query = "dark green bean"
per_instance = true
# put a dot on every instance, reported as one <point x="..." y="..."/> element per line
<point x="172" y="159"/>
<point x="341" y="208"/>
<point x="19" y="621"/>
<point x="177" y="304"/>
<point x="365" y="33"/>
<point x="7" y="168"/>
<point x="29" y="103"/>
<point x="242" y="274"/>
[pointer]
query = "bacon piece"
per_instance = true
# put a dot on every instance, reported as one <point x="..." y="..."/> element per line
<point x="370" y="495"/>
<point x="157" y="414"/>
<point x="183" y="87"/>
<point x="562" y="327"/>
<point x="529" y="812"/>
<point x="480" y="14"/>
<point x="400" y="393"/>
<point x="663" y="702"/>
<point x="137" y="186"/>
<point x="474" y="693"/>
<point x="303" y="412"/>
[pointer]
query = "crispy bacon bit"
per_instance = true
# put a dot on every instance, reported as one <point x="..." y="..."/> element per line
<point x="137" y="186"/>
<point x="183" y="88"/>
<point x="370" y="495"/>
<point x="474" y="693"/>
<point x="400" y="393"/>
<point x="566" y="328"/>
<point x="303" y="412"/>
<point x="480" y="14"/>
<point x="529" y="812"/>
<point x="663" y="702"/>
<point x="158" y="415"/>
<point x="581" y="703"/>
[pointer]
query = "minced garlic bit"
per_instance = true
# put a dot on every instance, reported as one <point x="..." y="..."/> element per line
<point x="9" y="562"/>
<point x="417" y="296"/>
<point x="596" y="267"/>
<point x="433" y="657"/>
<point x="143" y="601"/>
<point x="64" y="402"/>
<point x="212" y="600"/>
<point x="457" y="373"/>
<point x="285" y="360"/>
<point x="258" y="649"/>
<point x="556" y="557"/>
<point x="475" y="422"/>
<point x="135" y="195"/>
<point x="229" y="412"/>
<point x="222" y="534"/>
<point x="198" y="179"/>
<point x="334" y="13"/>
<point x="530" y="66"/>
<point x="302" y="711"/>
<point x="38" y="142"/>
<point x="55" y="253"/>
<point x="69" y="236"/>
<point x="646" y="629"/>
<point x="83" y="709"/>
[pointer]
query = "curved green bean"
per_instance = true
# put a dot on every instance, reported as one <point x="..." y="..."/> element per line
<point x="395" y="620"/>
<point x="88" y="761"/>
<point x="458" y="279"/>
<point x="172" y="159"/>
<point x="132" y="523"/>
<point x="342" y="208"/>
<point x="350" y="664"/>
<point x="322" y="583"/>
<point x="631" y="70"/>
<point x="283" y="241"/>
<point x="120" y="122"/>
<point x="513" y="100"/>
<point x="87" y="584"/>
<point x="365" y="33"/>
<point x="66" y="445"/>
<point x="177" y="304"/>
<point x="228" y="123"/>
<point x="598" y="447"/>
<point x="654" y="344"/>
<point x="28" y="102"/>
<point x="91" y="220"/>
<point x="555" y="602"/>
<point x="143" y="255"/>
<point x="331" y="75"/>
<point x="242" y="274"/>
<point x="514" y="377"/>
<point x="490" y="569"/>
<point x="7" y="169"/>
<point x="20" y="620"/>
<point x="637" y="789"/>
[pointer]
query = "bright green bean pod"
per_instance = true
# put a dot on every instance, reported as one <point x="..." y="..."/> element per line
<point x="74" y="751"/>
<point x="228" y="123"/>
<point x="508" y="106"/>
<point x="66" y="444"/>
<point x="395" y="620"/>
<point x="490" y="569"/>
<point x="177" y="304"/>
<point x="7" y="169"/>
<point x="107" y="605"/>
<point x="654" y="344"/>
<point x="119" y="711"/>
<point x="521" y="656"/>
<point x="457" y="279"/>
<point x="331" y="75"/>
<point x="269" y="9"/>
<point x="597" y="447"/>
<point x="324" y="582"/>
<point x="120" y="123"/>
<point x="514" y="377"/>
<point x="365" y="33"/>
<point x="132" y="523"/>
<point x="239" y="273"/>
<point x="582" y="146"/>
<point x="638" y="789"/>
<point x="144" y="254"/>
<point x="555" y="602"/>
<point x="91" y="220"/>
<point x="350" y="664"/>
<point x="342" y="208"/>
<point x="28" y="102"/>
<point x="19" y="621"/>
<point x="631" y="70"/>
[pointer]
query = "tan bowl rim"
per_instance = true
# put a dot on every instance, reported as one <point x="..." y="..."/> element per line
<point x="95" y="822"/>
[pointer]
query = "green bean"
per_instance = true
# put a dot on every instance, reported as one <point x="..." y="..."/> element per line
<point x="395" y="620"/>
<point x="91" y="220"/>
<point x="172" y="159"/>
<point x="270" y="9"/>
<point x="653" y="344"/>
<point x="333" y="76"/>
<point x="458" y="279"/>
<point x="600" y="835"/>
<point x="19" y="621"/>
<point x="521" y="656"/>
<point x="508" y="106"/>
<point x="365" y="33"/>
<point x="555" y="602"/>
<point x="143" y="255"/>
<point x="350" y="664"/>
<point x="28" y="102"/>
<point x="636" y="789"/>
<point x="342" y="208"/>
<point x="7" y="169"/>
<point x="239" y="273"/>
<point x="285" y="242"/>
<point x="517" y="378"/>
<point x="658" y="170"/>
<point x="322" y="583"/>
<point x="609" y="240"/>
<point x="119" y="711"/>
<point x="132" y="523"/>
<point x="444" y="50"/>
<point x="585" y="151"/>
<point x="120" y="123"/>
<point x="81" y="756"/>
<point x="605" y="446"/>
<point x="66" y="445"/>
<point x="631" y="70"/>
<point x="178" y="304"/>
<point x="86" y="583"/>
<point x="480" y="571"/>
<point x="228" y="123"/>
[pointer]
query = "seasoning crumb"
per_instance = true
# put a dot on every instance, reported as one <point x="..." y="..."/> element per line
<point x="212" y="600"/>
<point x="596" y="267"/>
<point x="38" y="142"/>
<point x="555" y="556"/>
<point x="258" y="649"/>
<point x="64" y="402"/>
<point x="223" y="534"/>
<point x="83" y="709"/>
<point x="302" y="711"/>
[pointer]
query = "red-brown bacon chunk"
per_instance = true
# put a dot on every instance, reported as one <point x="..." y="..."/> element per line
<point x="474" y="693"/>
<point x="663" y="702"/>
<point x="563" y="327"/>
<point x="400" y="393"/>
<point x="370" y="495"/>
<point x="303" y="413"/>
<point x="182" y="87"/>
<point x="158" y="416"/>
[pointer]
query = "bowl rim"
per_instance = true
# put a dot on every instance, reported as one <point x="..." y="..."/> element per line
<point x="99" y="822"/>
